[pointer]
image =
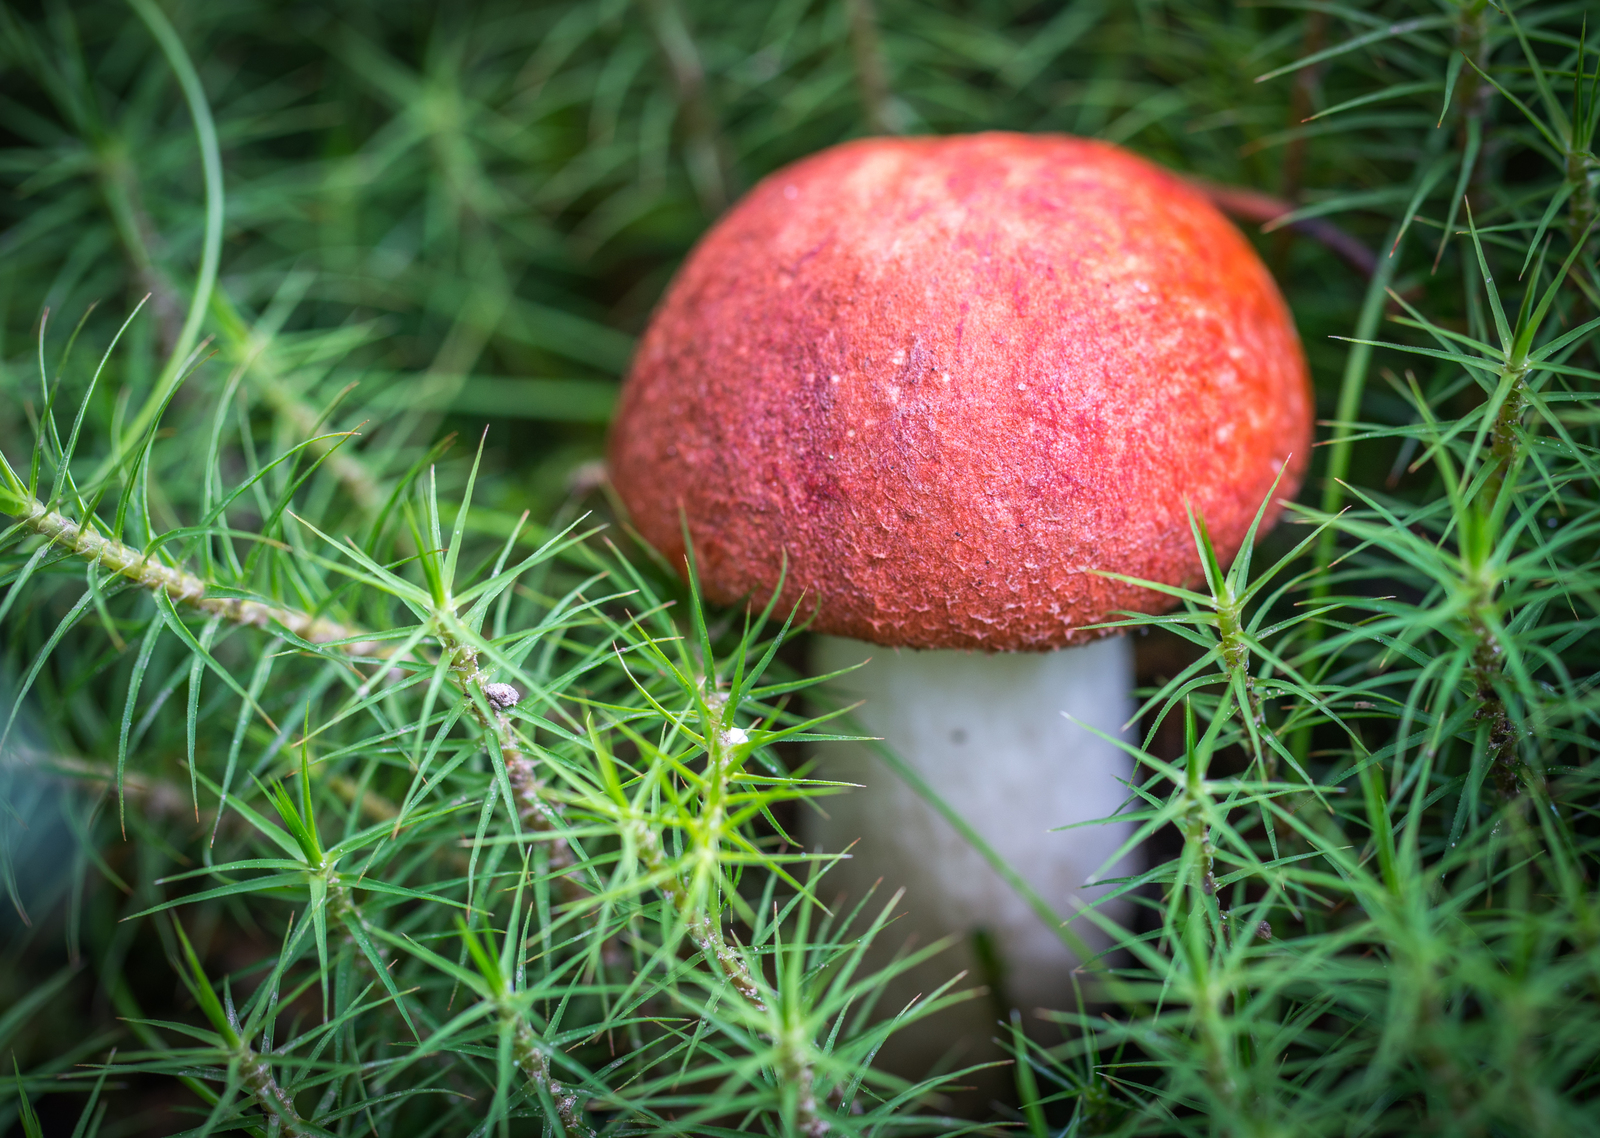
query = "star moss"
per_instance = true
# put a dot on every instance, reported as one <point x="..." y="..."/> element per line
<point x="280" y="856"/>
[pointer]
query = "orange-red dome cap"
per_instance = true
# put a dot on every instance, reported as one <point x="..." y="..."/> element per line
<point x="951" y="377"/>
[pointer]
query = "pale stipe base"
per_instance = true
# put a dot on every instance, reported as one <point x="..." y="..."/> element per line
<point x="988" y="733"/>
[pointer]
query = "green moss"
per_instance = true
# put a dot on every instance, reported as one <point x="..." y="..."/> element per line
<point x="260" y="709"/>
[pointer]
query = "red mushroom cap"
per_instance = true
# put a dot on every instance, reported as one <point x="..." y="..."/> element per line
<point x="949" y="378"/>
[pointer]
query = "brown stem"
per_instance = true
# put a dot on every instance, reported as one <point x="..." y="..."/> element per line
<point x="1503" y="760"/>
<point x="1510" y="771"/>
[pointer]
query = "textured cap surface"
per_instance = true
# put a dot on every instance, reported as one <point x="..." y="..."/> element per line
<point x="951" y="377"/>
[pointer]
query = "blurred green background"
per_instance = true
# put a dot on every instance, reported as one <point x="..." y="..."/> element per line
<point x="486" y="200"/>
<point x="440" y="217"/>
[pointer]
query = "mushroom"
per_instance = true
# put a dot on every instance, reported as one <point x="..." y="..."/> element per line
<point x="938" y="387"/>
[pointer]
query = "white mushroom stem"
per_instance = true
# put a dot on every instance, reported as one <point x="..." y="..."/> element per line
<point x="1002" y="739"/>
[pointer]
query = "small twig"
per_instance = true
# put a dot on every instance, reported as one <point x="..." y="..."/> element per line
<point x="538" y="814"/>
<point x="181" y="587"/>
<point x="871" y="75"/>
<point x="698" y="925"/>
<point x="1302" y="97"/>
<point x="120" y="184"/>
<point x="534" y="810"/>
<point x="701" y="144"/>
<point x="536" y="1069"/>
<point x="1263" y="209"/>
<point x="158" y="797"/>
<point x="803" y="1077"/>
<point x="349" y="470"/>
<point x="256" y="1074"/>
